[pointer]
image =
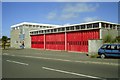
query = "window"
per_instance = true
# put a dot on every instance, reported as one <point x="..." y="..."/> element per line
<point x="47" y="27"/>
<point x="103" y="25"/>
<point x="40" y="26"/>
<point x="82" y="26"/>
<point x="42" y="31"/>
<point x="89" y="25"/>
<point x="107" y="25"/>
<point x="77" y="27"/>
<point x="36" y="32"/>
<point x="110" y="26"/>
<point x="118" y="47"/>
<point x="33" y="25"/>
<point x="113" y="46"/>
<point x="45" y="31"/>
<point x="95" y="25"/>
<point x="114" y="26"/>
<point x="55" y="30"/>
<point x="63" y="29"/>
<point x="72" y="28"/>
<point x="67" y="28"/>
<point x="104" y="47"/>
<point x="118" y="27"/>
<point x="108" y="47"/>
<point x="30" y="25"/>
<point x="48" y="31"/>
<point x="51" y="30"/>
<point x="39" y="31"/>
<point x="59" y="29"/>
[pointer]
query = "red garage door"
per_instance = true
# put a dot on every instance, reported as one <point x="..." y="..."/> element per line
<point x="78" y="41"/>
<point x="33" y="41"/>
<point x="55" y="41"/>
<point x="40" y="41"/>
<point x="37" y="41"/>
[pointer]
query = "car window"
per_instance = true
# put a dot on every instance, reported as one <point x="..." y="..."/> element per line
<point x="111" y="47"/>
<point x="104" y="47"/>
<point x="108" y="47"/>
<point x="114" y="47"/>
<point x="118" y="47"/>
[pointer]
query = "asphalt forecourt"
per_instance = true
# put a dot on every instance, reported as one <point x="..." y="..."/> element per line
<point x="26" y="67"/>
<point x="68" y="60"/>
<point x="60" y="56"/>
<point x="33" y="63"/>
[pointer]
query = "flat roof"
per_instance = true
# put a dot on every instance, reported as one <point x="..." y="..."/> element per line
<point x="57" y="26"/>
<point x="77" y="24"/>
<point x="30" y="23"/>
<point x="93" y="22"/>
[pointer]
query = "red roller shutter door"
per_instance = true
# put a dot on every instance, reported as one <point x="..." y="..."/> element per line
<point x="37" y="41"/>
<point x="41" y="41"/>
<point x="56" y="41"/>
<point x="78" y="41"/>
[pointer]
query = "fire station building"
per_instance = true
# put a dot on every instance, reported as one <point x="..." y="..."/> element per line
<point x="72" y="37"/>
<point x="75" y="37"/>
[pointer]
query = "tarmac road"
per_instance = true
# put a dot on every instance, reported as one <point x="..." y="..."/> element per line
<point x="31" y="63"/>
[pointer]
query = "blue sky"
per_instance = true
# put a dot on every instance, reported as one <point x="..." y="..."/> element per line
<point x="56" y="13"/>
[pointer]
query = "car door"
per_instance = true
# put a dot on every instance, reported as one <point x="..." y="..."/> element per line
<point x="115" y="50"/>
<point x="108" y="50"/>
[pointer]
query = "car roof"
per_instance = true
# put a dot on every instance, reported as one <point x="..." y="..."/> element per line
<point x="113" y="44"/>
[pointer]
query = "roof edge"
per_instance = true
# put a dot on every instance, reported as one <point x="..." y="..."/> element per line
<point x="22" y="23"/>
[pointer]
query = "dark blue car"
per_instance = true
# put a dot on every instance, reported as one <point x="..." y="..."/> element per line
<point x="109" y="50"/>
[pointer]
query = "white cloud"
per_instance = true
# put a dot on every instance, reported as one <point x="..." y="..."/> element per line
<point x="68" y="16"/>
<point x="72" y="11"/>
<point x="80" y="7"/>
<point x="88" y="19"/>
<point x="51" y="15"/>
<point x="62" y="16"/>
